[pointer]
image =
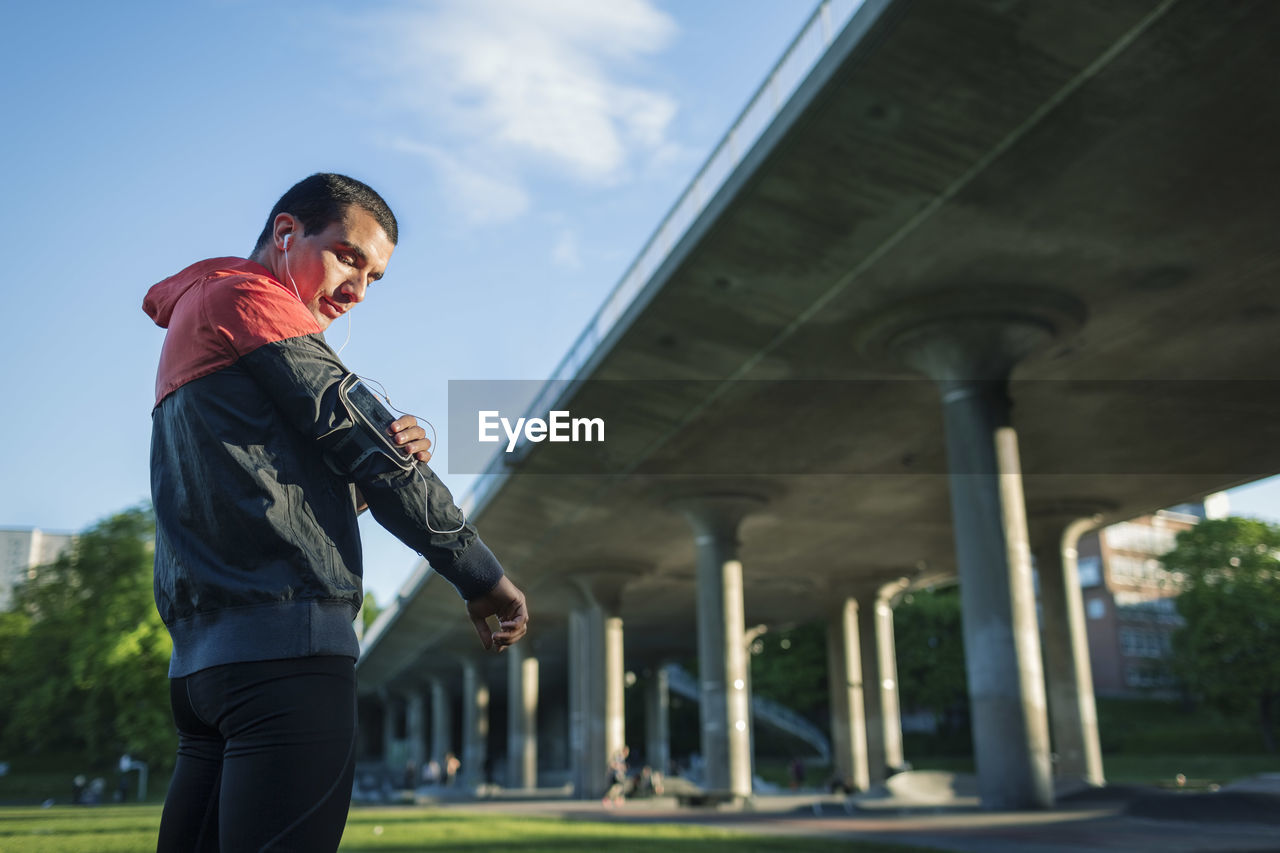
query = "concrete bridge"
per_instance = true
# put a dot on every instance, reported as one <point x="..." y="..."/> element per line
<point x="967" y="278"/>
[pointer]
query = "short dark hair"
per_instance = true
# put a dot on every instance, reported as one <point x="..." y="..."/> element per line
<point x="322" y="199"/>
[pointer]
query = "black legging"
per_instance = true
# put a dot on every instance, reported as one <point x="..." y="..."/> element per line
<point x="266" y="757"/>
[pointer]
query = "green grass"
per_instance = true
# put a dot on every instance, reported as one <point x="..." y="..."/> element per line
<point x="105" y="829"/>
<point x="778" y="772"/>
<point x="1160" y="727"/>
<point x="952" y="763"/>
<point x="1199" y="770"/>
<point x="1146" y="742"/>
<point x="124" y="829"/>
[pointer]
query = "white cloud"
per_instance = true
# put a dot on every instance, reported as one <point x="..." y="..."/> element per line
<point x="483" y="198"/>
<point x="526" y="84"/>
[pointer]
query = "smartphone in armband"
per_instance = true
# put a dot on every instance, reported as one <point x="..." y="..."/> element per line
<point x="374" y="419"/>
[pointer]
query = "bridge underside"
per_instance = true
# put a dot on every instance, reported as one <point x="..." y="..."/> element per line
<point x="1118" y="156"/>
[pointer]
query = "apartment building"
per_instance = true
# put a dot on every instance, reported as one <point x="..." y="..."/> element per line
<point x="1129" y="598"/>
<point x="22" y="551"/>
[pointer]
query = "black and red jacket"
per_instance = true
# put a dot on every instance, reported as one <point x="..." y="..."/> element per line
<point x="257" y="546"/>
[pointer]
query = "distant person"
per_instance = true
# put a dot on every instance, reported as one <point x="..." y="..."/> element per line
<point x="650" y="782"/>
<point x="617" y="777"/>
<point x="122" y="778"/>
<point x="77" y="789"/>
<point x="431" y="772"/>
<point x="259" y="465"/>
<point x="451" y="767"/>
<point x="796" y="771"/>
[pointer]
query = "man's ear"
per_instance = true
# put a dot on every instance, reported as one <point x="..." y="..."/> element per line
<point x="285" y="230"/>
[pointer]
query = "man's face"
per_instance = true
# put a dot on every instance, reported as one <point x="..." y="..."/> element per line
<point x="332" y="269"/>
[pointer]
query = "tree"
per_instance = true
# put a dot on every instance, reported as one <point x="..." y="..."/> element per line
<point x="370" y="612"/>
<point x="1228" y="651"/>
<point x="789" y="666"/>
<point x="929" y="640"/>
<point x="84" y="655"/>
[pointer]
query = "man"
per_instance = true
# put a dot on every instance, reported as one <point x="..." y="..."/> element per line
<point x="256" y="460"/>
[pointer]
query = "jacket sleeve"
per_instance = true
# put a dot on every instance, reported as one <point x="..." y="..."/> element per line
<point x="301" y="375"/>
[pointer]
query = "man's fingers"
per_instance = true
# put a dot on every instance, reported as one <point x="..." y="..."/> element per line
<point x="486" y="634"/>
<point x="506" y="632"/>
<point x="511" y="631"/>
<point x="403" y="422"/>
<point x="517" y="622"/>
<point x="416" y="433"/>
<point x="419" y="450"/>
<point x="419" y="447"/>
<point x="412" y="438"/>
<point x="501" y="617"/>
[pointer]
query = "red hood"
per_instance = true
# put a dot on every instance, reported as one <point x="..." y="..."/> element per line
<point x="163" y="297"/>
<point x="217" y="311"/>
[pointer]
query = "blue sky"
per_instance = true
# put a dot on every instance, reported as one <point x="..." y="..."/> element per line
<point x="142" y="136"/>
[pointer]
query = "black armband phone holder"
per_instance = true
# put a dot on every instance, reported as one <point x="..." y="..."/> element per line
<point x="372" y="424"/>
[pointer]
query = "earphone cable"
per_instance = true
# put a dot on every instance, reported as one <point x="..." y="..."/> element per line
<point x="426" y="489"/>
<point x="386" y="398"/>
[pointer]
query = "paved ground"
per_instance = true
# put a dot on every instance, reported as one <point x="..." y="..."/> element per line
<point x="1100" y="822"/>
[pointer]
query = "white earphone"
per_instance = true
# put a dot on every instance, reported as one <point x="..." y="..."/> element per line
<point x="284" y="245"/>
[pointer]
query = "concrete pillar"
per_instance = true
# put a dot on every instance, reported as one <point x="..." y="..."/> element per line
<point x="553" y="741"/>
<point x="522" y="718"/>
<point x="749" y="638"/>
<point x="880" y="682"/>
<point x="416" y="732"/>
<point x="1068" y="675"/>
<point x="968" y="341"/>
<point x="848" y="716"/>
<point x="441" y="722"/>
<point x="615" y="732"/>
<point x="597" y="676"/>
<point x="390" y="729"/>
<point x="475" y="724"/>
<point x="657" y="720"/>
<point x="588" y="759"/>
<point x="722" y="654"/>
<point x="886" y="652"/>
<point x="872" y="693"/>
<point x="1001" y="634"/>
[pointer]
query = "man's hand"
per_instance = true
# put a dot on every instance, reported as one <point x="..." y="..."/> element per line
<point x="506" y="602"/>
<point x="411" y="438"/>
